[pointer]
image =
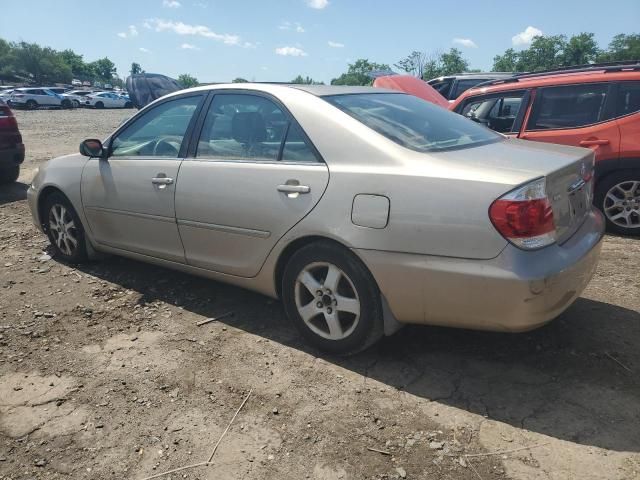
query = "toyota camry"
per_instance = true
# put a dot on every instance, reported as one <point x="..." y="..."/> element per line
<point x="361" y="208"/>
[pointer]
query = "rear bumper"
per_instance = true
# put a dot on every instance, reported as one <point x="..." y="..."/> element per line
<point x="10" y="157"/>
<point x="516" y="291"/>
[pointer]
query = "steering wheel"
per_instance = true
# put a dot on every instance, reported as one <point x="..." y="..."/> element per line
<point x="165" y="147"/>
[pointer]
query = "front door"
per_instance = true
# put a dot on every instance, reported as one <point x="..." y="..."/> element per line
<point x="128" y="197"/>
<point x="577" y="115"/>
<point x="254" y="176"/>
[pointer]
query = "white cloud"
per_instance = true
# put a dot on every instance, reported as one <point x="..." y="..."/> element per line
<point x="285" y="25"/>
<point x="525" y="38"/>
<point x="181" y="28"/>
<point x="291" y="52"/>
<point x="171" y="3"/>
<point x="144" y="50"/>
<point x="201" y="4"/>
<point x="132" y="32"/>
<point x="335" y="44"/>
<point x="318" y="4"/>
<point x="465" y="42"/>
<point x="188" y="46"/>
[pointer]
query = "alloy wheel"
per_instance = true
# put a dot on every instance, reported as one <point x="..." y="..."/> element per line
<point x="622" y="204"/>
<point x="63" y="229"/>
<point x="327" y="300"/>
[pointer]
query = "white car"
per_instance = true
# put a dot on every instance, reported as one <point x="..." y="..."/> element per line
<point x="77" y="97"/>
<point x="107" y="100"/>
<point x="33" y="98"/>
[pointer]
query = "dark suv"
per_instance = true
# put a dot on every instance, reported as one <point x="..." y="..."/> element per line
<point x="452" y="86"/>
<point x="11" y="146"/>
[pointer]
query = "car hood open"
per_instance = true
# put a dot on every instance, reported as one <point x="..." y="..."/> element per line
<point x="413" y="86"/>
<point x="144" y="88"/>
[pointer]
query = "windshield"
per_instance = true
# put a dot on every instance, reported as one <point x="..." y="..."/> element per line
<point x="412" y="122"/>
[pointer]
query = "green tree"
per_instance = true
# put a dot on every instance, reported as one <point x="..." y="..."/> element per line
<point x="41" y="64"/>
<point x="77" y="64"/>
<point x="239" y="80"/>
<point x="545" y="52"/>
<point x="580" y="49"/>
<point x="300" y="80"/>
<point x="622" y="47"/>
<point x="104" y="69"/>
<point x="188" y="81"/>
<point x="7" y="61"/>
<point x="452" y="62"/>
<point x="135" y="68"/>
<point x="507" y="62"/>
<point x="413" y="64"/>
<point x="357" y="73"/>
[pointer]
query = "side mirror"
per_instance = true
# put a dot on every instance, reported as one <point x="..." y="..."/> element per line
<point x="92" y="148"/>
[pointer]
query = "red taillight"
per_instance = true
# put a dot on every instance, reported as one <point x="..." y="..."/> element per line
<point x="525" y="216"/>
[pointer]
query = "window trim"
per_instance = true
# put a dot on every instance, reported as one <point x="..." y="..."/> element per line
<point x="609" y="105"/>
<point x="197" y="131"/>
<point x="522" y="111"/>
<point x="187" y="134"/>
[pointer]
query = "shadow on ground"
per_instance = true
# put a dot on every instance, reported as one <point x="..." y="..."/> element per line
<point x="13" y="192"/>
<point x="560" y="380"/>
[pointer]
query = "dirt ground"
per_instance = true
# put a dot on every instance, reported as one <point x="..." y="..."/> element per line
<point x="104" y="373"/>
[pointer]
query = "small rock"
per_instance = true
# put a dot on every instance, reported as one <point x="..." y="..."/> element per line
<point x="436" y="445"/>
<point x="402" y="472"/>
<point x="275" y="411"/>
<point x="463" y="462"/>
<point x="41" y="462"/>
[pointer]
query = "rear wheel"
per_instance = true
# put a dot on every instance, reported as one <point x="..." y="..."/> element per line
<point x="618" y="197"/>
<point x="9" y="174"/>
<point x="332" y="299"/>
<point x="31" y="104"/>
<point x="64" y="229"/>
<point x="76" y="104"/>
<point x="99" y="105"/>
<point x="66" y="104"/>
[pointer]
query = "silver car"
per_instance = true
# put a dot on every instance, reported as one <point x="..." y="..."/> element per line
<point x="362" y="209"/>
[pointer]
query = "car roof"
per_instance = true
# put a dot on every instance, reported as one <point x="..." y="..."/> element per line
<point x="274" y="87"/>
<point x="473" y="76"/>
<point x="558" y="77"/>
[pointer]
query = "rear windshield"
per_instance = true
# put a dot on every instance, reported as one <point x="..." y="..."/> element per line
<point x="412" y="122"/>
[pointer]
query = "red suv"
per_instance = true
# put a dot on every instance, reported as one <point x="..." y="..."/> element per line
<point x="11" y="146"/>
<point x="597" y="107"/>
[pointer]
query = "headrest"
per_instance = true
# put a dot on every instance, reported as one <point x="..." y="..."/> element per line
<point x="248" y="127"/>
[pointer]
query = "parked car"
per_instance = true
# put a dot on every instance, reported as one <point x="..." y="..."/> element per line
<point x="5" y="95"/>
<point x="76" y="83"/>
<point x="107" y="100"/>
<point x="361" y="208"/>
<point x="86" y="83"/>
<point x="11" y="146"/>
<point x="32" y="98"/>
<point x="597" y="107"/>
<point x="77" y="97"/>
<point x="452" y="86"/>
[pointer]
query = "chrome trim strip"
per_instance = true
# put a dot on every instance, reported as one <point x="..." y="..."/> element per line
<point x="225" y="228"/>
<point x="146" y="216"/>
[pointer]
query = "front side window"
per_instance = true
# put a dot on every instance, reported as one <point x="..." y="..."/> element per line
<point x="158" y="132"/>
<point x="253" y="128"/>
<point x="412" y="122"/>
<point x="569" y="106"/>
<point x="496" y="112"/>
<point x="628" y="100"/>
<point x="443" y="87"/>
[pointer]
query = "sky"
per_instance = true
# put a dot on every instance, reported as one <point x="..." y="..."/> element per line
<point x="218" y="40"/>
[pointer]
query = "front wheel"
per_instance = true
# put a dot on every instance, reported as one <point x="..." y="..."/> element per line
<point x="64" y="229"/>
<point x="31" y="104"/>
<point x="332" y="299"/>
<point x="618" y="197"/>
<point x="99" y="105"/>
<point x="66" y="104"/>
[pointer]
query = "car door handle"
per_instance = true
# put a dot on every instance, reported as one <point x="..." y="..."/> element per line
<point x="294" y="188"/>
<point x="590" y="143"/>
<point x="162" y="180"/>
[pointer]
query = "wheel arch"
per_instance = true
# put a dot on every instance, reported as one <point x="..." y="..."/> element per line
<point x="42" y="198"/>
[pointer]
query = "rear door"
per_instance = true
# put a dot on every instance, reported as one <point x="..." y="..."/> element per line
<point x="253" y="176"/>
<point x="578" y="115"/>
<point x="128" y="198"/>
<point x="628" y="120"/>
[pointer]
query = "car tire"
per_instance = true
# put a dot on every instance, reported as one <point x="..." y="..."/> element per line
<point x="66" y="104"/>
<point x="76" y="104"/>
<point x="617" y="196"/>
<point x="99" y="105"/>
<point x="9" y="174"/>
<point x="64" y="229"/>
<point x="31" y="104"/>
<point x="344" y="314"/>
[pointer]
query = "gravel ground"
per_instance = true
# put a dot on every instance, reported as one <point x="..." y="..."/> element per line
<point x="104" y="373"/>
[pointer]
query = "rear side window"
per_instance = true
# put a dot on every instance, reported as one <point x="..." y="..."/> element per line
<point x="464" y="85"/>
<point x="569" y="106"/>
<point x="496" y="112"/>
<point x="443" y="87"/>
<point x="628" y="100"/>
<point x="412" y="122"/>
